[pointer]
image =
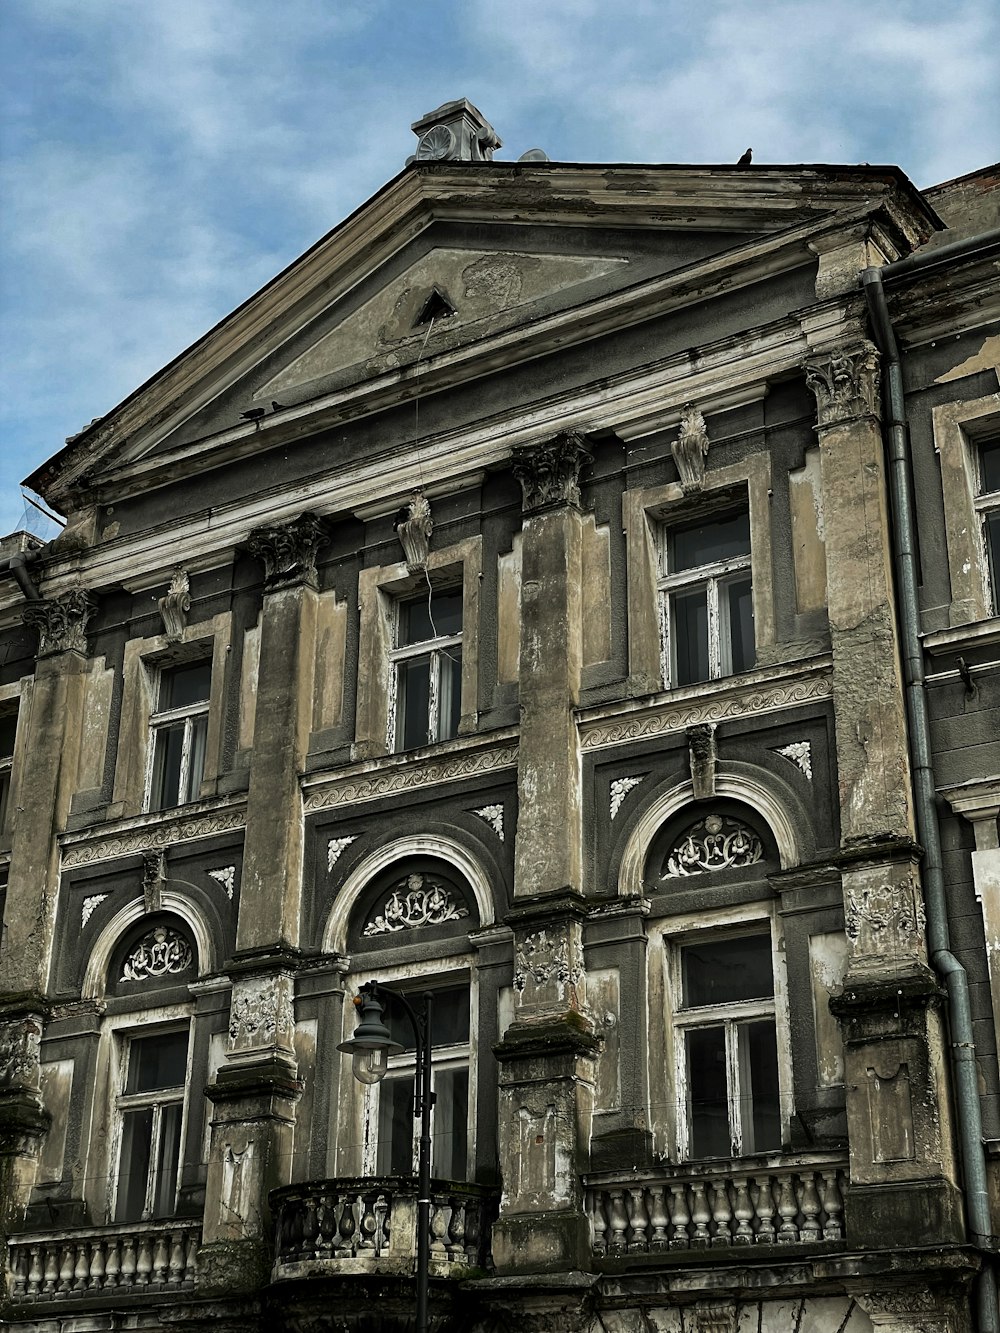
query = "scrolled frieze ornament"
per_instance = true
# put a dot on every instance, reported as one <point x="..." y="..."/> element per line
<point x="549" y="473"/>
<point x="175" y="605"/>
<point x="288" y="550"/>
<point x="690" y="449"/>
<point x="845" y="384"/>
<point x="61" y="622"/>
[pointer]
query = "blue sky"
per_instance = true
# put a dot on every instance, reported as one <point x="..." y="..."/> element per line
<point x="161" y="159"/>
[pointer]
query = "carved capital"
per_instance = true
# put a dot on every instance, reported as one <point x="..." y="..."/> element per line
<point x="690" y="449"/>
<point x="288" y="550"/>
<point x="548" y="966"/>
<point x="61" y="622"/>
<point x="175" y="605"/>
<point x="20" y="1045"/>
<point x="883" y="918"/>
<point x="549" y="473"/>
<point x="845" y="383"/>
<point x="262" y="1013"/>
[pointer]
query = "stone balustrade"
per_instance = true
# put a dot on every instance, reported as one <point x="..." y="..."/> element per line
<point x="144" y="1257"/>
<point x="370" y="1225"/>
<point x="796" y="1202"/>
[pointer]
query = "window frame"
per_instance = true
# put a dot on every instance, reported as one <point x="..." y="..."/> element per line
<point x="162" y="720"/>
<point x="986" y="504"/>
<point x="436" y="650"/>
<point x="960" y="431"/>
<point x="15" y="700"/>
<point x="7" y="771"/>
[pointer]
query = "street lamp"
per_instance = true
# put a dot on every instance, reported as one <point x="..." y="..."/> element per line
<point x="370" y="1048"/>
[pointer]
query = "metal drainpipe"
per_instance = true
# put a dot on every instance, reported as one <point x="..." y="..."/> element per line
<point x="18" y="567"/>
<point x="944" y="961"/>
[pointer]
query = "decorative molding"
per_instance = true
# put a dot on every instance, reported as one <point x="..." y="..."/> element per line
<point x="90" y="906"/>
<point x="690" y="449"/>
<point x="905" y="1300"/>
<point x="547" y="956"/>
<point x="20" y="1045"/>
<point x="657" y="721"/>
<point x="371" y="785"/>
<point x="61" y="622"/>
<point x="288" y="550"/>
<point x="261" y="1012"/>
<point x="226" y="876"/>
<point x="884" y="920"/>
<point x="175" y="605"/>
<point x="414" y="532"/>
<point x="703" y="758"/>
<point x="620" y="788"/>
<point x="415" y="901"/>
<point x="153" y="875"/>
<point x="492" y="815"/>
<point x="161" y="952"/>
<point x="845" y="384"/>
<point x="336" y="847"/>
<point x="800" y="753"/>
<point x="145" y="837"/>
<point x="714" y="843"/>
<point x="549" y="473"/>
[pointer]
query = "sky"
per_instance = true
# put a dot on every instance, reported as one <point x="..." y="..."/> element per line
<point x="160" y="160"/>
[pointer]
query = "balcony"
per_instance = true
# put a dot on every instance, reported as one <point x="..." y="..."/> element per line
<point x="144" y="1257"/>
<point x="369" y="1226"/>
<point x="786" y="1201"/>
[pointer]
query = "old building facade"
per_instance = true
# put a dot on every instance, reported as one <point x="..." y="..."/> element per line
<point x="570" y="592"/>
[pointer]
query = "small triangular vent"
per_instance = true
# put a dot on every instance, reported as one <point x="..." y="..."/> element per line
<point x="437" y="306"/>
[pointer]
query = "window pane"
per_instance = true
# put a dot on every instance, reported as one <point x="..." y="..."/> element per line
<point x="689" y="636"/>
<point x="760" y="1109"/>
<point x="169" y="746"/>
<point x="449" y="1126"/>
<point x="196" y="756"/>
<point x="185" y="685"/>
<point x="708" y="1104"/>
<point x="168" y="1158"/>
<point x="450" y="699"/>
<point x="395" y="1126"/>
<point x="157" y="1062"/>
<point x="413" y="700"/>
<point x="449" y="1018"/>
<point x="736" y="614"/>
<point x="133" y="1167"/>
<point x="419" y="621"/>
<point x="989" y="467"/>
<point x="727" y="971"/>
<point x="713" y="539"/>
<point x="8" y="727"/>
<point x="993" y="551"/>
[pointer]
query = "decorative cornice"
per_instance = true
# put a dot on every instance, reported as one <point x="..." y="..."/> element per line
<point x="372" y="784"/>
<point x="144" y="836"/>
<point x="288" y="550"/>
<point x="690" y="449"/>
<point x="61" y="622"/>
<point x="845" y="383"/>
<point x="549" y="473"/>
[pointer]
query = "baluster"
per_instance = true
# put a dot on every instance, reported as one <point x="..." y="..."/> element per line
<point x="456" y="1231"/>
<point x="598" y="1222"/>
<point x="743" y="1212"/>
<point x="310" y="1228"/>
<point x="191" y="1259"/>
<point x="36" y="1270"/>
<point x="639" y="1221"/>
<point x="617" y="1221"/>
<point x="128" y="1261"/>
<point x="67" y="1267"/>
<point x="833" y="1204"/>
<point x="679" y="1217"/>
<point x="788" y="1207"/>
<point x="765" y="1212"/>
<point x="113" y="1265"/>
<point x="143" y="1261"/>
<point x="19" y="1271"/>
<point x="473" y="1229"/>
<point x="722" y="1214"/>
<point x="811" y="1207"/>
<point x="348" y="1226"/>
<point x="659" y="1218"/>
<point x="51" y="1269"/>
<point x="383" y="1208"/>
<point x="327" y="1226"/>
<point x="176" y="1258"/>
<point x="97" y="1265"/>
<point x="700" y="1214"/>
<point x="161" y="1259"/>
<point x="439" y="1229"/>
<point x="81" y="1269"/>
<point x="368" y="1223"/>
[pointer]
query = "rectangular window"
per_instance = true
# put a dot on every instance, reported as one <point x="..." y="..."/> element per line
<point x="706" y="599"/>
<point x="151" y="1114"/>
<point x="427" y="667"/>
<point x="988" y="505"/>
<point x="8" y="731"/>
<point x="398" y="1129"/>
<point x="727" y="1047"/>
<point x="178" y="732"/>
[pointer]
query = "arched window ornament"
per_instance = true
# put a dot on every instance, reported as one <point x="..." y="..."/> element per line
<point x="161" y="952"/>
<point x="716" y="842"/>
<point x="415" y="901"/>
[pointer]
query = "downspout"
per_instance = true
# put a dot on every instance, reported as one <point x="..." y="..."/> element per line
<point x="18" y="566"/>
<point x="925" y="796"/>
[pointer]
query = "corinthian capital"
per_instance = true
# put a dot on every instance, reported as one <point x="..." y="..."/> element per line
<point x="61" y="622"/>
<point x="549" y="473"/>
<point x="288" y="550"/>
<point x="846" y="383"/>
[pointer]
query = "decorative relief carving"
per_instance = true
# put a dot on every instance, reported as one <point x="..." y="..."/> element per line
<point x="226" y="876"/>
<point x="90" y="906"/>
<point x="702" y="757"/>
<point x="800" y="753"/>
<point x="492" y="815"/>
<point x="61" y="622"/>
<point x="884" y="920"/>
<point x="146" y="837"/>
<point x="20" y="1044"/>
<point x="620" y="788"/>
<point x="549" y="473"/>
<point x="845" y="383"/>
<point x="546" y="956"/>
<point x="714" y="843"/>
<point x="153" y="876"/>
<point x="288" y="550"/>
<point x="414" y="531"/>
<point x="161" y="952"/>
<point x="690" y="449"/>
<point x="906" y="1300"/>
<point x="415" y="901"/>
<point x="261" y="1012"/>
<point x="175" y="605"/>
<point x="335" y="848"/>
<point x="370" y="786"/>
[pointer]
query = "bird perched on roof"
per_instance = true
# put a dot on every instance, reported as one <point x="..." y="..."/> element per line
<point x="254" y="414"/>
<point x="276" y="406"/>
<point x="745" y="159"/>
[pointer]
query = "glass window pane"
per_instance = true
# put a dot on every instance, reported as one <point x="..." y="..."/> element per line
<point x="449" y="1018"/>
<point x="704" y="543"/>
<point x="736" y="614"/>
<point x="168" y="1159"/>
<point x="8" y="727"/>
<point x="419" y="621"/>
<point x="708" y="1103"/>
<point x="449" y="1125"/>
<point x="989" y="467"/>
<point x="133" y="1166"/>
<point x="395" y="1126"/>
<point x="185" y="685"/>
<point x="727" y="971"/>
<point x="993" y="552"/>
<point x="196" y="756"/>
<point x="689" y="636"/>
<point x="450" y="699"/>
<point x="760" y="1107"/>
<point x="157" y="1062"/>
<point x="168" y="748"/>
<point x="413" y="702"/>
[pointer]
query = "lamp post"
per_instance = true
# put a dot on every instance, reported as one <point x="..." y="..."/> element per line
<point x="370" y="1048"/>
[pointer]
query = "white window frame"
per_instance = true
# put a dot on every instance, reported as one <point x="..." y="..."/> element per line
<point x="161" y="720"/>
<point x="987" y="503"/>
<point x="437" y="650"/>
